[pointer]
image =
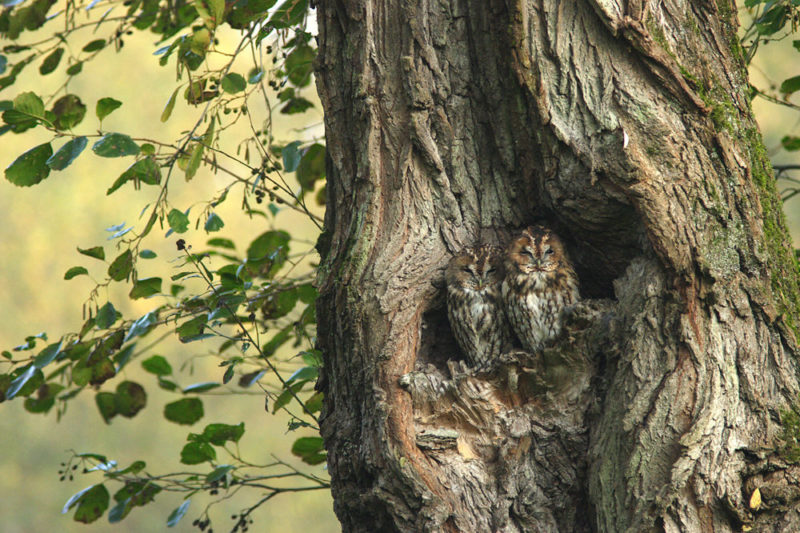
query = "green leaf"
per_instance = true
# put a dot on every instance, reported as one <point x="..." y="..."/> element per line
<point x="195" y="453"/>
<point x="75" y="271"/>
<point x="31" y="167"/>
<point x="115" y="145"/>
<point x="790" y="143"/>
<point x="299" y="65"/>
<point x="314" y="404"/>
<point x="233" y="83"/>
<point x="69" y="112"/>
<point x="75" y="69"/>
<point x="45" y="398"/>
<point x="30" y="104"/>
<point x="214" y="223"/>
<point x="107" y="405"/>
<point x="197" y="388"/>
<point x="141" y="326"/>
<point x="219" y="434"/>
<point x="311" y="167"/>
<point x="307" y="373"/>
<point x="194" y="160"/>
<point x="145" y="287"/>
<point x="277" y="341"/>
<point x="157" y="365"/>
<point x="122" y="266"/>
<point x="177" y="513"/>
<point x="219" y="473"/>
<point x="309" y="449"/>
<point x="296" y="105"/>
<point x="67" y="153"/>
<point x="3" y="63"/>
<point x="191" y="329"/>
<point x="291" y="156"/>
<point x="169" y="107"/>
<point x="790" y="85"/>
<point x="288" y="14"/>
<point x="271" y="247"/>
<point x="186" y="411"/>
<point x="222" y="243"/>
<point x="217" y="8"/>
<point x="106" y="316"/>
<point x="20" y="381"/>
<point x="179" y="222"/>
<point x="94" y="46"/>
<point x="142" y="171"/>
<point x="97" y="252"/>
<point x="130" y="398"/>
<point x="279" y="303"/>
<point x="286" y="396"/>
<point x="51" y="61"/>
<point x="46" y="356"/>
<point x="308" y="293"/>
<point x="92" y="504"/>
<point x="147" y="254"/>
<point x="106" y="106"/>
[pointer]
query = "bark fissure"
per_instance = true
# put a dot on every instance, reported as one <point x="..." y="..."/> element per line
<point x="624" y="126"/>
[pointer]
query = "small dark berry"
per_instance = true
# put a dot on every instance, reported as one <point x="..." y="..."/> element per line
<point x="181" y="244"/>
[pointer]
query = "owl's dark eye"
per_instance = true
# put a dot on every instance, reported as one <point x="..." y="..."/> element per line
<point x="527" y="252"/>
<point x="491" y="270"/>
<point x="549" y="251"/>
<point x="467" y="270"/>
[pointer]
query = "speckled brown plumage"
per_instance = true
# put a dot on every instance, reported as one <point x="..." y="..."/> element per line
<point x="539" y="283"/>
<point x="474" y="304"/>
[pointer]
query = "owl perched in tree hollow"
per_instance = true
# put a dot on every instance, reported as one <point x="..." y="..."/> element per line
<point x="474" y="304"/>
<point x="539" y="283"/>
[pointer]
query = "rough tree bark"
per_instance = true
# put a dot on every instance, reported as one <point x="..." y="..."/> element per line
<point x="626" y="126"/>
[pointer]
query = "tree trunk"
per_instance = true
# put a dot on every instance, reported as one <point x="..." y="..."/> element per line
<point x="624" y="126"/>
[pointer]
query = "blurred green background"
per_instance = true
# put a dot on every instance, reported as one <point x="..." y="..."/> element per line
<point x="41" y="227"/>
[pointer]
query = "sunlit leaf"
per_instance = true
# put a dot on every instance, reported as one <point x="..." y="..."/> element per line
<point x="195" y="453"/>
<point x="233" y="83"/>
<point x="213" y="223"/>
<point x="67" y="153"/>
<point x="69" y="112"/>
<point x="157" y="365"/>
<point x="186" y="411"/>
<point x="115" y="145"/>
<point x="106" y="316"/>
<point x="130" y="398"/>
<point x="75" y="271"/>
<point x="145" y="287"/>
<point x="291" y="156"/>
<point x="169" y="107"/>
<point x="107" y="405"/>
<point x="106" y="106"/>
<point x="121" y="267"/>
<point x="31" y="167"/>
<point x="309" y="449"/>
<point x="97" y="252"/>
<point x="177" y="513"/>
<point x="200" y="387"/>
<point x="92" y="504"/>
<point x="179" y="222"/>
<point x="51" y="61"/>
<point x="93" y="46"/>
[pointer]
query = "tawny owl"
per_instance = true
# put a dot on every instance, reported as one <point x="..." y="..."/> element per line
<point x="474" y="304"/>
<point x="539" y="283"/>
